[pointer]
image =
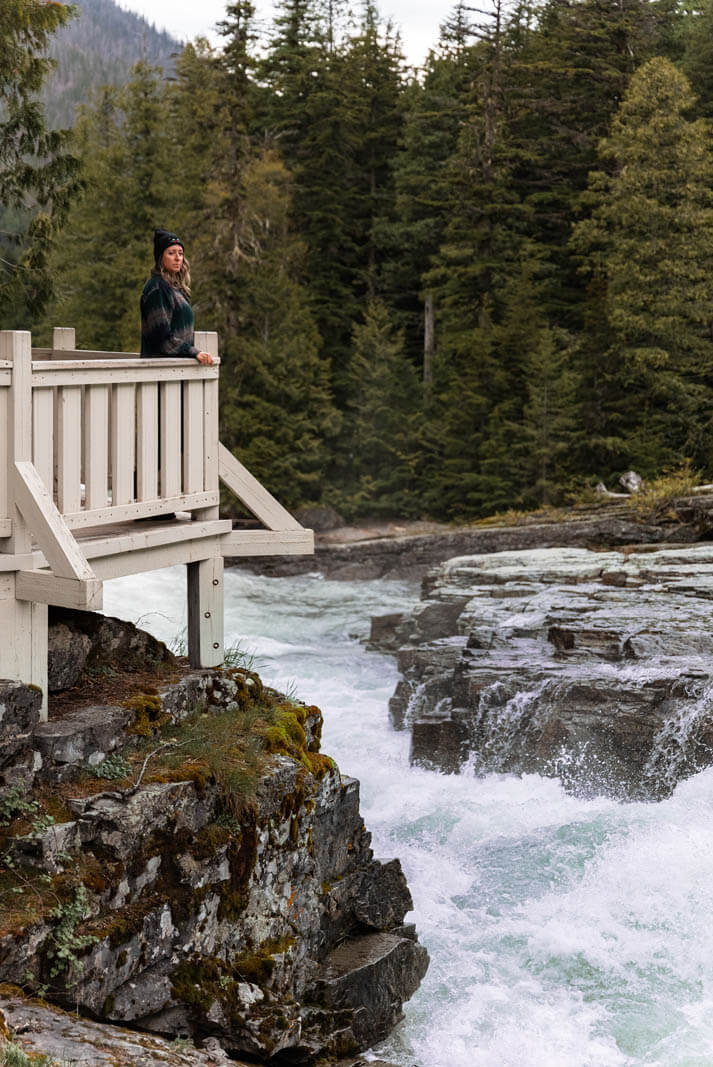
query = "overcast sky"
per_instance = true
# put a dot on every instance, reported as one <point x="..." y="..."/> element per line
<point x="186" y="19"/>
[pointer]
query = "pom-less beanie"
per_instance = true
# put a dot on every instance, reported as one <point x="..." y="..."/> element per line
<point x="163" y="239"/>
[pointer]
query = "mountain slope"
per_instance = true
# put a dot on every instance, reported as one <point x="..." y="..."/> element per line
<point x="99" y="47"/>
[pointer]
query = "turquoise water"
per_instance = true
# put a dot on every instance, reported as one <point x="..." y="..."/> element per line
<point x="562" y="932"/>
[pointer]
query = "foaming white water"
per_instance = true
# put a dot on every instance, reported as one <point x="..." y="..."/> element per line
<point x="562" y="932"/>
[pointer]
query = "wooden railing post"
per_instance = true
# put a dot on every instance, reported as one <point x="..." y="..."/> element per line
<point x="23" y="624"/>
<point x="205" y="578"/>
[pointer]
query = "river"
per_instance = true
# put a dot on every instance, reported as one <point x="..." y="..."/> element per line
<point x="562" y="932"/>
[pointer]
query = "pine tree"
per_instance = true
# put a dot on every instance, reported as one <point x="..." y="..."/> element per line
<point x="572" y="67"/>
<point x="106" y="252"/>
<point x="380" y="421"/>
<point x="649" y="250"/>
<point x="37" y="171"/>
<point x="434" y="112"/>
<point x="277" y="412"/>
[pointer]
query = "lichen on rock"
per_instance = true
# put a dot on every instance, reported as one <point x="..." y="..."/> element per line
<point x="224" y="889"/>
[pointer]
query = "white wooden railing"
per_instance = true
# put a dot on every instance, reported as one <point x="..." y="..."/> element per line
<point x="91" y="442"/>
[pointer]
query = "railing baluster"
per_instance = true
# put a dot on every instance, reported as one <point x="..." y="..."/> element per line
<point x="4" y="425"/>
<point x="69" y="448"/>
<point x="170" y="439"/>
<point x="123" y="440"/>
<point x="43" y="435"/>
<point x="96" y="446"/>
<point x="193" y="437"/>
<point x="147" y="441"/>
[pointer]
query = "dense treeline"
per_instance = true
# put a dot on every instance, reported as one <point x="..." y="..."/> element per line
<point x="482" y="287"/>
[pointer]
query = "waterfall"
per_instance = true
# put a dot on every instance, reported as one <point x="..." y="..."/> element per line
<point x="563" y="931"/>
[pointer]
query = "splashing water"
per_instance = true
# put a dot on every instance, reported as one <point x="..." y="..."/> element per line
<point x="563" y="932"/>
<point x="680" y="740"/>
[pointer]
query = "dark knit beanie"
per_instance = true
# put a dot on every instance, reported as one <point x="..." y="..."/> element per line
<point x="163" y="239"/>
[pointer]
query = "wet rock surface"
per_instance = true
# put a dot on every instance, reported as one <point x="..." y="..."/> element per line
<point x="43" y="1030"/>
<point x="267" y="929"/>
<point x="594" y="666"/>
<point x="409" y="549"/>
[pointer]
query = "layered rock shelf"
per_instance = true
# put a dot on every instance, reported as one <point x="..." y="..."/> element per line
<point x="593" y="666"/>
<point x="409" y="549"/>
<point x="246" y="919"/>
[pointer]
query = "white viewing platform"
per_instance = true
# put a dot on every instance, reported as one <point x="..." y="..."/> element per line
<point x="96" y="448"/>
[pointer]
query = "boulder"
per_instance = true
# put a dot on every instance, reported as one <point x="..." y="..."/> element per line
<point x="270" y="931"/>
<point x="589" y="665"/>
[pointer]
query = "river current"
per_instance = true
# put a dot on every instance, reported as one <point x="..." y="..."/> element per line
<point x="562" y="932"/>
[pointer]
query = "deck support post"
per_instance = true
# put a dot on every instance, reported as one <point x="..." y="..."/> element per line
<point x="23" y="624"/>
<point x="205" y="612"/>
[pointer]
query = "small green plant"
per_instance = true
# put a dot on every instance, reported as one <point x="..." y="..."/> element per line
<point x="114" y="766"/>
<point x="65" y="943"/>
<point x="237" y="656"/>
<point x="657" y="497"/>
<point x="179" y="645"/>
<point x="182" y="1044"/>
<point x="11" y="1055"/>
<point x="14" y="803"/>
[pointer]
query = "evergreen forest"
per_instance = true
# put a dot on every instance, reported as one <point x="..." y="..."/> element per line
<point x="450" y="291"/>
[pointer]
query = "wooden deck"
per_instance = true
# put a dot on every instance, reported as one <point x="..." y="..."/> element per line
<point x="95" y="450"/>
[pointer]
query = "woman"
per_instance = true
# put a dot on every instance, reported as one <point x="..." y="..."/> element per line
<point x="166" y="313"/>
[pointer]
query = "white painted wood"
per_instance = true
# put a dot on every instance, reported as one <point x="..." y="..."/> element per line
<point x="207" y="341"/>
<point x="39" y="650"/>
<point x="23" y="649"/>
<point x="205" y="613"/>
<point x="150" y="536"/>
<point x="19" y="562"/>
<point x="170" y="432"/>
<point x="5" y="375"/>
<point x="252" y="494"/>
<point x="147" y="441"/>
<point x="4" y="512"/>
<point x="123" y="443"/>
<point x="16" y="647"/>
<point x="211" y="459"/>
<point x="69" y="448"/>
<point x="96" y="545"/>
<point x="193" y="443"/>
<point x="43" y="435"/>
<point x="151" y="559"/>
<point x="15" y="346"/>
<point x="41" y="514"/>
<point x="268" y="543"/>
<point x="46" y="588"/>
<point x="128" y="512"/>
<point x="96" y="446"/>
<point x="63" y="340"/>
<point x="107" y="372"/>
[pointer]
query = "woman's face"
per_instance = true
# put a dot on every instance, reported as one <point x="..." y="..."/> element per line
<point x="172" y="258"/>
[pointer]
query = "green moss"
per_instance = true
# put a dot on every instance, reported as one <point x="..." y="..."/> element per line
<point x="149" y="716"/>
<point x="108" y="1005"/>
<point x="242" y="856"/>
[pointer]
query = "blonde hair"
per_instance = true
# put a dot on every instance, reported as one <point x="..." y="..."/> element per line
<point x="178" y="279"/>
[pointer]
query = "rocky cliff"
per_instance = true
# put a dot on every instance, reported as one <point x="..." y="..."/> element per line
<point x="409" y="549"/>
<point x="593" y="666"/>
<point x="186" y="862"/>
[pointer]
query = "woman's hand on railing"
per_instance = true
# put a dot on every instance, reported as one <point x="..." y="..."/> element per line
<point x="205" y="358"/>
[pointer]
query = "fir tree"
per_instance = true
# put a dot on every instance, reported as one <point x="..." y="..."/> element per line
<point x="649" y="248"/>
<point x="277" y="412"/>
<point x="106" y="252"/>
<point x="380" y="422"/>
<point x="37" y="171"/>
